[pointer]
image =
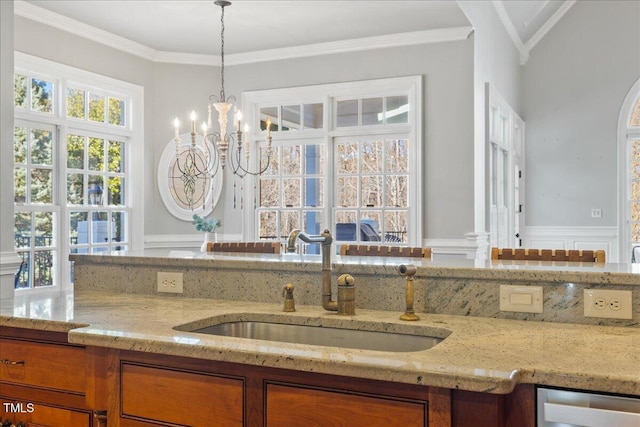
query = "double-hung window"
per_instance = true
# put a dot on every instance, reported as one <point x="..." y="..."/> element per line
<point x="75" y="136"/>
<point x="346" y="157"/>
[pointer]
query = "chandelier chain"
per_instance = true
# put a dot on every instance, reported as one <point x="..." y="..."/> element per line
<point x="222" y="95"/>
<point x="197" y="163"/>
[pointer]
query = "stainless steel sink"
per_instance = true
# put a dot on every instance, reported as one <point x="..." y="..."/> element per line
<point x="319" y="335"/>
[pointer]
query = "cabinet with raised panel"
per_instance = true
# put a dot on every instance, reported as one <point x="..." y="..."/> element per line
<point x="163" y="390"/>
<point x="45" y="381"/>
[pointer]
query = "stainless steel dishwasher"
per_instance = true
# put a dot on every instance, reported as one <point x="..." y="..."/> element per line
<point x="565" y="408"/>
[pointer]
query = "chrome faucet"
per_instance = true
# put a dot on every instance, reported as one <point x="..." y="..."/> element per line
<point x="325" y="240"/>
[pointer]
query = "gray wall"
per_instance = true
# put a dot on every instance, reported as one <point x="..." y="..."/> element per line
<point x="447" y="70"/>
<point x="173" y="90"/>
<point x="574" y="85"/>
<point x="569" y="93"/>
<point x="496" y="60"/>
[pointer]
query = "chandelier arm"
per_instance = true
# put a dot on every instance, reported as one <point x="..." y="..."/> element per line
<point x="236" y="150"/>
<point x="190" y="159"/>
<point x="213" y="157"/>
<point x="248" y="172"/>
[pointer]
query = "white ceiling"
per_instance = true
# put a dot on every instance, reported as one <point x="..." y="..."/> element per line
<point x="193" y="26"/>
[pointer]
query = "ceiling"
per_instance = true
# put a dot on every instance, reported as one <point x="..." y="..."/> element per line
<point x="193" y="26"/>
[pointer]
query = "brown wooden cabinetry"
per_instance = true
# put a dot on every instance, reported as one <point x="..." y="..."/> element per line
<point x="43" y="365"/>
<point x="167" y="390"/>
<point x="45" y="381"/>
<point x="180" y="397"/>
<point x="288" y="406"/>
<point x="43" y="415"/>
<point x="157" y="390"/>
<point x="48" y="382"/>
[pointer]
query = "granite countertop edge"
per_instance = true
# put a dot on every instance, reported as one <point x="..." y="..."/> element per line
<point x="481" y="354"/>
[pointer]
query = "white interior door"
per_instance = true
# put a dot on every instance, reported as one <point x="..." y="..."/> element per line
<point x="506" y="162"/>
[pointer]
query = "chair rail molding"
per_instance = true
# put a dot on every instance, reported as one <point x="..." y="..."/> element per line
<point x="572" y="237"/>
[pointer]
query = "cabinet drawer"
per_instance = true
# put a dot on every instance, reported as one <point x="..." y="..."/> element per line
<point x="180" y="397"/>
<point x="53" y="366"/>
<point x="43" y="415"/>
<point x="289" y="406"/>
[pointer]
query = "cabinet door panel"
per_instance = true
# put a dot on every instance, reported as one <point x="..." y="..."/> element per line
<point x="46" y="416"/>
<point x="180" y="397"/>
<point x="53" y="366"/>
<point x="300" y="407"/>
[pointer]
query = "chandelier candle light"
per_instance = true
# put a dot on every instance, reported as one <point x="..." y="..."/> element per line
<point x="196" y="164"/>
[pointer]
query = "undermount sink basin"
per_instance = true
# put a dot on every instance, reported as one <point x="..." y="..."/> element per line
<point x="322" y="335"/>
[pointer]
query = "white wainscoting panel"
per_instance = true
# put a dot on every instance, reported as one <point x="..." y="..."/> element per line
<point x="183" y="241"/>
<point x="586" y="238"/>
<point x="475" y="245"/>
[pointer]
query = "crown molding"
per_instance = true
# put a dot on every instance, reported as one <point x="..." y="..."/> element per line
<point x="61" y="22"/>
<point x="188" y="58"/>
<point x="353" y="45"/>
<point x="549" y="24"/>
<point x="525" y="48"/>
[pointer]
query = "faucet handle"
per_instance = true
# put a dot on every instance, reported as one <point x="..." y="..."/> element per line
<point x="287" y="294"/>
<point x="346" y="295"/>
<point x="407" y="270"/>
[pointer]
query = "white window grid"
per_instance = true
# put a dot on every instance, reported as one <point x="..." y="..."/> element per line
<point x="329" y="95"/>
<point x="64" y="77"/>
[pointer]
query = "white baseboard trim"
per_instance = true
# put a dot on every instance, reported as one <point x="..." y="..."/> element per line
<point x="545" y="237"/>
<point x="183" y="241"/>
<point x="474" y="246"/>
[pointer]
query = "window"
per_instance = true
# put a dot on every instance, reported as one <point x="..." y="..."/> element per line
<point x="74" y="139"/>
<point x="629" y="131"/>
<point x="346" y="157"/>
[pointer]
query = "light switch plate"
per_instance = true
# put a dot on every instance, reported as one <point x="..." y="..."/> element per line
<point x="525" y="299"/>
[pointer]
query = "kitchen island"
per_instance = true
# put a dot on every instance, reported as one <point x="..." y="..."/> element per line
<point x="477" y="354"/>
<point x="116" y="313"/>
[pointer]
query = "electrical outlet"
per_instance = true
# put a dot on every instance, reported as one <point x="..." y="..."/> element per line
<point x="170" y="282"/>
<point x="607" y="303"/>
<point x="596" y="213"/>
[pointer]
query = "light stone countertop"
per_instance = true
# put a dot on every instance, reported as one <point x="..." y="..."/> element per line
<point x="532" y="271"/>
<point x="479" y="354"/>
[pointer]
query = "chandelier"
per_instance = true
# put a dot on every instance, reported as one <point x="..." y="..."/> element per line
<point x="196" y="163"/>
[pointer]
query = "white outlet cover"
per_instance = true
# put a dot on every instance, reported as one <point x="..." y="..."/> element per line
<point x="170" y="283"/>
<point x="617" y="304"/>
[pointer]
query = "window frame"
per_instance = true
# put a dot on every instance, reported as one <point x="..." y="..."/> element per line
<point x="626" y="133"/>
<point x="328" y="95"/>
<point x="63" y="77"/>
